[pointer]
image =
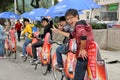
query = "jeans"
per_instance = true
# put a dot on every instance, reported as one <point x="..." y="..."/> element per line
<point x="27" y="41"/>
<point x="34" y="46"/>
<point x="80" y="70"/>
<point x="59" y="51"/>
<point x="2" y="44"/>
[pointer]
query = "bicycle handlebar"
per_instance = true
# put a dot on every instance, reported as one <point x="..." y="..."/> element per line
<point x="54" y="42"/>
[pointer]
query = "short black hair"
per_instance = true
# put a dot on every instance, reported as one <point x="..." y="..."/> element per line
<point x="26" y="20"/>
<point x="72" y="12"/>
<point x="62" y="18"/>
<point x="45" y="19"/>
<point x="83" y="22"/>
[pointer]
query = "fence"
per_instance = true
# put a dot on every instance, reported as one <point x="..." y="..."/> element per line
<point x="108" y="38"/>
<point x="113" y="38"/>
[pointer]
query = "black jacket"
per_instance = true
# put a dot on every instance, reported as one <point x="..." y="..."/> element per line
<point x="46" y="30"/>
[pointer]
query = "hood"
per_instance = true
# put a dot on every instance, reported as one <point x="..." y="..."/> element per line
<point x="82" y="23"/>
<point x="88" y="28"/>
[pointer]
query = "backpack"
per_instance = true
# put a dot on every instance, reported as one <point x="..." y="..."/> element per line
<point x="34" y="29"/>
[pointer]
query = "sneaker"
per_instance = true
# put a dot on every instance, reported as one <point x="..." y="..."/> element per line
<point x="59" y="66"/>
<point x="49" y="68"/>
<point x="35" y="61"/>
<point x="21" y="55"/>
<point x="2" y="57"/>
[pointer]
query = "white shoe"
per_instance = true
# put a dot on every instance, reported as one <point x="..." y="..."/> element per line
<point x="21" y="55"/>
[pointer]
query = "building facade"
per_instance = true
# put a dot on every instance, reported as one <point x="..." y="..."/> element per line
<point x="109" y="11"/>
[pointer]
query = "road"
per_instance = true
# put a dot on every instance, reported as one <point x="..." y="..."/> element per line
<point x="11" y="69"/>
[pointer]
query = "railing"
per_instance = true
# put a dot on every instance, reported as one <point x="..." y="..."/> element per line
<point x="103" y="2"/>
<point x="113" y="38"/>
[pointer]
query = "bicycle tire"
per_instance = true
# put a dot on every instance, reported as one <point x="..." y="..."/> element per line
<point x="44" y="69"/>
<point x="57" y="73"/>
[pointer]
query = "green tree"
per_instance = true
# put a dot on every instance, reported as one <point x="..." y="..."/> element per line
<point x="5" y="5"/>
<point x="55" y="2"/>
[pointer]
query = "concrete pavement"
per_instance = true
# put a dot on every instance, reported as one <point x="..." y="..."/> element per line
<point x="112" y="69"/>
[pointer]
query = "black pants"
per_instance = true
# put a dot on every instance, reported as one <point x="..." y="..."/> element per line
<point x="18" y="34"/>
<point x="34" y="46"/>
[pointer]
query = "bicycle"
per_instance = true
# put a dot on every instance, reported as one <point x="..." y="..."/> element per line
<point x="44" y="55"/>
<point x="10" y="44"/>
<point x="96" y="68"/>
<point x="68" y="64"/>
<point x="29" y="47"/>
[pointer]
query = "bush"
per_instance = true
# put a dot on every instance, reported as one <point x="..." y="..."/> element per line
<point x="98" y="25"/>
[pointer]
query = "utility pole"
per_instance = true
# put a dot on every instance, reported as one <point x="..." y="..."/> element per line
<point x="52" y="2"/>
<point x="15" y="7"/>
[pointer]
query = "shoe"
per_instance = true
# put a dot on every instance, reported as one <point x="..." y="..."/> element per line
<point x="2" y="57"/>
<point x="49" y="68"/>
<point x="59" y="66"/>
<point x="21" y="55"/>
<point x="35" y="61"/>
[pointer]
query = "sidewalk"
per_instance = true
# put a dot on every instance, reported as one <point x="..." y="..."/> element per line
<point x="112" y="69"/>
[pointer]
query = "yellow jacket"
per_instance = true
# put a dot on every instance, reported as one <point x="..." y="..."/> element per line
<point x="28" y="29"/>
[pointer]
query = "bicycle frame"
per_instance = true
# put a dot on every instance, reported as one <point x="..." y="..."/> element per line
<point x="69" y="62"/>
<point x="10" y="42"/>
<point x="29" y="46"/>
<point x="46" y="50"/>
<point x="96" y="68"/>
<point x="13" y="40"/>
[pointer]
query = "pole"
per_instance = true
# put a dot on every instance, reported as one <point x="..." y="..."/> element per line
<point x="52" y="2"/>
<point x="15" y="7"/>
<point x="91" y="15"/>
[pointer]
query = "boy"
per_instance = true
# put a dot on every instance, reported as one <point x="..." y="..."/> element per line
<point x="47" y="26"/>
<point x="28" y="31"/>
<point x="63" y="26"/>
<point x="83" y="35"/>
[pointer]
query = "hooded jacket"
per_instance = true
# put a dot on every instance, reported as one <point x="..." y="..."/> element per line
<point x="82" y="32"/>
<point x="28" y="29"/>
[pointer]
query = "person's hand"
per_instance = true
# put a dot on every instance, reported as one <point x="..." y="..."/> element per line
<point x="54" y="30"/>
<point x="83" y="54"/>
<point x="21" y="33"/>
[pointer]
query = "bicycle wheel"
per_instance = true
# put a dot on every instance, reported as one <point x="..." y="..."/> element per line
<point x="44" y="69"/>
<point x="15" y="55"/>
<point x="57" y="74"/>
<point x="8" y="53"/>
<point x="25" y="58"/>
<point x="35" y="66"/>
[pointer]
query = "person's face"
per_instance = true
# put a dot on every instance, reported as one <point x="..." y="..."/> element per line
<point x="71" y="20"/>
<point x="63" y="23"/>
<point x="18" y="21"/>
<point x="60" y="27"/>
<point x="26" y="22"/>
<point x="8" y="24"/>
<point x="44" y="23"/>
